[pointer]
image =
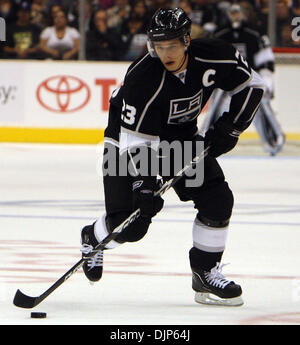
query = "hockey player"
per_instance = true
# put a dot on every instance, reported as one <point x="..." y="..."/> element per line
<point x="256" y="49"/>
<point x="162" y="95"/>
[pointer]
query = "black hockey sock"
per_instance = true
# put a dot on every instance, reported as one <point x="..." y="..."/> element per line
<point x="204" y="260"/>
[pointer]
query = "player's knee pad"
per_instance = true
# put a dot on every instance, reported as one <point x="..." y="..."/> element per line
<point x="134" y="232"/>
<point x="216" y="204"/>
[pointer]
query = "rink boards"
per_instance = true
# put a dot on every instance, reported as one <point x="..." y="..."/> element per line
<point x="67" y="102"/>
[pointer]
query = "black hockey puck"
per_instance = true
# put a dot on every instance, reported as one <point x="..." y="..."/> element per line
<point x="36" y="315"/>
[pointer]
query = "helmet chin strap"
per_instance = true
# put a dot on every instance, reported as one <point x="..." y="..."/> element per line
<point x="183" y="62"/>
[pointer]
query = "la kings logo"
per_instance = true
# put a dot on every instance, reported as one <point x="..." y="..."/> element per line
<point x="185" y="109"/>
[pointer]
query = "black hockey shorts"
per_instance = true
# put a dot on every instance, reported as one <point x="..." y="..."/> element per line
<point x="213" y="199"/>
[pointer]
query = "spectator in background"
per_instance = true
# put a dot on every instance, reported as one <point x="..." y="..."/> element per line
<point x="262" y="16"/>
<point x="66" y="5"/>
<point x="140" y="9"/>
<point x="60" y="41"/>
<point x="201" y="11"/>
<point x="186" y="6"/>
<point x="8" y="11"/>
<point x="155" y="5"/>
<point x="283" y="17"/>
<point x="205" y="14"/>
<point x="197" y="30"/>
<point x="118" y="14"/>
<point x="50" y="14"/>
<point x="295" y="8"/>
<point x="38" y="17"/>
<point x="22" y="37"/>
<point x="103" y="43"/>
<point x="250" y="13"/>
<point x="134" y="37"/>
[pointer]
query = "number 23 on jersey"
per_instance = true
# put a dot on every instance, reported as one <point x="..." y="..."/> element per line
<point x="128" y="113"/>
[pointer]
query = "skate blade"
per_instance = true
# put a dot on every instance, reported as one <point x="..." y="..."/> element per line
<point x="210" y="299"/>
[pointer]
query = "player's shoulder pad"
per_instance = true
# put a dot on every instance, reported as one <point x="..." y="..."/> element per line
<point x="143" y="70"/>
<point x="212" y="49"/>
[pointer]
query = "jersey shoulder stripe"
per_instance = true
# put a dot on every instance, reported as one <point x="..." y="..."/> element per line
<point x="136" y="63"/>
<point x="143" y="70"/>
<point x="213" y="50"/>
<point x="151" y="100"/>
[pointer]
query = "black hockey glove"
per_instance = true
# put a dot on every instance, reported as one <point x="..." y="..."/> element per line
<point x="143" y="196"/>
<point x="222" y="138"/>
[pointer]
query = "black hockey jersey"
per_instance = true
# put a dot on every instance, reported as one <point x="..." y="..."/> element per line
<point x="154" y="103"/>
<point x="254" y="47"/>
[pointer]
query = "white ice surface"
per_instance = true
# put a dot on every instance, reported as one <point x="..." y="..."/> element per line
<point x="48" y="192"/>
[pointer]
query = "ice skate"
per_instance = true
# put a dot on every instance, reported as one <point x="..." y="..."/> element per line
<point x="212" y="287"/>
<point x="93" y="267"/>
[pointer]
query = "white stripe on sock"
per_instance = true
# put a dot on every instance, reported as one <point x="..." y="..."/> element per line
<point x="208" y="238"/>
<point x="101" y="232"/>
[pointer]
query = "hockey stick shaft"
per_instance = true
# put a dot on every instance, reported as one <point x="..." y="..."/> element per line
<point x="167" y="185"/>
<point x="24" y="301"/>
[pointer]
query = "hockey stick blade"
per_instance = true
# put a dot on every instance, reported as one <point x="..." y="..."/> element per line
<point x="24" y="301"/>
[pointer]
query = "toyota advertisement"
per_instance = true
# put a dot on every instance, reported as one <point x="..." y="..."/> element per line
<point x="63" y="94"/>
<point x="58" y="95"/>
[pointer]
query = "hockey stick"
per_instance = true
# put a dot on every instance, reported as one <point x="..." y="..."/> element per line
<point x="24" y="301"/>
